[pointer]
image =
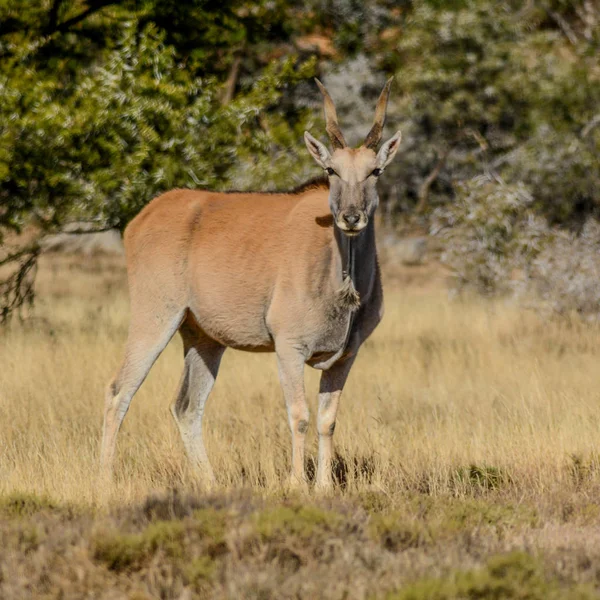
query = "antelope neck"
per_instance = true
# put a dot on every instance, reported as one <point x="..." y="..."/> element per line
<point x="358" y="256"/>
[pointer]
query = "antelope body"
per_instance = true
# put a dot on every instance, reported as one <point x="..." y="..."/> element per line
<point x="292" y="273"/>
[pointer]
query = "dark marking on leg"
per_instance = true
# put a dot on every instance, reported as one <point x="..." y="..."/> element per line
<point x="182" y="401"/>
<point x="331" y="428"/>
<point x="302" y="426"/>
<point x="325" y="402"/>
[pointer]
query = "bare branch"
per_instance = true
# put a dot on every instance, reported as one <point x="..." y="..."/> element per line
<point x="564" y="26"/>
<point x="93" y="8"/>
<point x="17" y="289"/>
<point x="53" y="15"/>
<point x="591" y="125"/>
<point x="19" y="266"/>
<point x="20" y="253"/>
<point x="231" y="80"/>
<point x="427" y="183"/>
<point x="81" y="227"/>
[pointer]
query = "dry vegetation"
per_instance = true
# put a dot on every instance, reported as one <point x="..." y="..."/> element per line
<point x="468" y="461"/>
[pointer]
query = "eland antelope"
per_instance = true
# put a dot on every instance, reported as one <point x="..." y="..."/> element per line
<point x="294" y="273"/>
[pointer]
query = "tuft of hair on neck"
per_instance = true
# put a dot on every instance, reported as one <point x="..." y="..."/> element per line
<point x="348" y="297"/>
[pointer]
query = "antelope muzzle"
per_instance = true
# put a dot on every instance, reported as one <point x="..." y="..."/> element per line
<point x="352" y="221"/>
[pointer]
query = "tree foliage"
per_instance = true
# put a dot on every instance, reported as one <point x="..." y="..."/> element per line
<point x="104" y="140"/>
<point x="492" y="85"/>
<point x="106" y="103"/>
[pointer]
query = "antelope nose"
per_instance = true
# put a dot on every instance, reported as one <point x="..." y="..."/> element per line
<point x="351" y="219"/>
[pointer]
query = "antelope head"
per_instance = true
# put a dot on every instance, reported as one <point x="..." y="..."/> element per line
<point x="353" y="172"/>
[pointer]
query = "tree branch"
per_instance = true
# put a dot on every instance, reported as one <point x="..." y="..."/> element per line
<point x="53" y="15"/>
<point x="93" y="8"/>
<point x="17" y="289"/>
<point x="593" y="123"/>
<point x="427" y="183"/>
<point x="20" y="266"/>
<point x="20" y="253"/>
<point x="81" y="227"/>
<point x="564" y="26"/>
<point x="231" y="80"/>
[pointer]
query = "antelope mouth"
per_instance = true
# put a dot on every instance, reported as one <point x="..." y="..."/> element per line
<point x="351" y="230"/>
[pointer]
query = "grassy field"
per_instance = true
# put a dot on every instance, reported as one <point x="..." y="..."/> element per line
<point x="467" y="467"/>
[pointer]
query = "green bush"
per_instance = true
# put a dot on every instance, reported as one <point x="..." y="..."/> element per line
<point x="516" y="576"/>
<point x="129" y="551"/>
<point x="25" y="504"/>
<point x="302" y="522"/>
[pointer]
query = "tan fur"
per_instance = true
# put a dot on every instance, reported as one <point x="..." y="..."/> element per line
<point x="256" y="272"/>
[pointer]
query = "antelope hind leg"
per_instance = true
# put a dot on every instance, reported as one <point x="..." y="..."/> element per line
<point x="202" y="360"/>
<point x="142" y="349"/>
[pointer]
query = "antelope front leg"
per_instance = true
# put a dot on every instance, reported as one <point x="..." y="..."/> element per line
<point x="330" y="390"/>
<point x="291" y="373"/>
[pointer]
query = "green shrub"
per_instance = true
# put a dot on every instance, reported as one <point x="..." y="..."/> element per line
<point x="302" y="522"/>
<point x="200" y="570"/>
<point x="25" y="504"/>
<point x="123" y="551"/>
<point x="396" y="533"/>
<point x="482" y="477"/>
<point x="515" y="576"/>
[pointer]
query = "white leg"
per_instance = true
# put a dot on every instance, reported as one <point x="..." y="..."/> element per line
<point x="291" y="373"/>
<point x="202" y="360"/>
<point x="330" y="390"/>
<point x="142" y="349"/>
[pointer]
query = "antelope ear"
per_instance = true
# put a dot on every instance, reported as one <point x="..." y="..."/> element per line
<point x="318" y="150"/>
<point x="388" y="150"/>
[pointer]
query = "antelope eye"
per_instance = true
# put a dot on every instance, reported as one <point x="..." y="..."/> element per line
<point x="330" y="171"/>
<point x="376" y="172"/>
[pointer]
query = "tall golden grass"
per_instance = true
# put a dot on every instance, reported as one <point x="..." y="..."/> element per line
<point x="446" y="396"/>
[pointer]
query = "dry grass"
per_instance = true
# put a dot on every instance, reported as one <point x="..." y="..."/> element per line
<point x="440" y="387"/>
<point x="467" y="429"/>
